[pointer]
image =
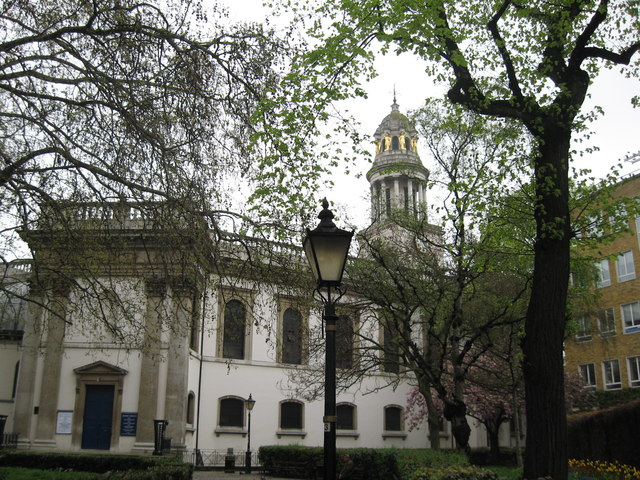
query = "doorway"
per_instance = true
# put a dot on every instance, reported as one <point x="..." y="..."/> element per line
<point x="98" y="417"/>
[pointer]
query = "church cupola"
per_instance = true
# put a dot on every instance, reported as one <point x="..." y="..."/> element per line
<point x="397" y="179"/>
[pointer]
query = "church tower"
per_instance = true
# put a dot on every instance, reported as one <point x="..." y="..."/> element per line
<point x="397" y="179"/>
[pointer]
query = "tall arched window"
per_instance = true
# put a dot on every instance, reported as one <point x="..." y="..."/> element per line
<point x="344" y="342"/>
<point x="292" y="336"/>
<point x="191" y="407"/>
<point x="395" y="143"/>
<point x="391" y="357"/>
<point x="235" y="324"/>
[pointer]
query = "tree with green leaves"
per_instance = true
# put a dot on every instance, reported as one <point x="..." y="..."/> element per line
<point x="432" y="295"/>
<point x="532" y="63"/>
<point x="127" y="114"/>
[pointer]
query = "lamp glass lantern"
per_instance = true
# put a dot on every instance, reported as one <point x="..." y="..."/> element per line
<point x="249" y="403"/>
<point x="327" y="248"/>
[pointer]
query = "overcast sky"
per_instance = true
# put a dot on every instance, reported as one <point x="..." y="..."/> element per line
<point x="616" y="133"/>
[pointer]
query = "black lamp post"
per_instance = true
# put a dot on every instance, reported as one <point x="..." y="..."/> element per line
<point x="249" y="403"/>
<point x="327" y="247"/>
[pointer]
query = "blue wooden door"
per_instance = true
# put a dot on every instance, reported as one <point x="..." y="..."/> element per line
<point x="98" y="416"/>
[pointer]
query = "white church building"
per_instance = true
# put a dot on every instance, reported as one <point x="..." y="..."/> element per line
<point x="77" y="374"/>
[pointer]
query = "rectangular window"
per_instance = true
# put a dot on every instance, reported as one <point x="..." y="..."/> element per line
<point x="391" y="357"/>
<point x="631" y="317"/>
<point x="344" y="342"/>
<point x="611" y="374"/>
<point x="393" y="419"/>
<point x="588" y="374"/>
<point x="603" y="276"/>
<point x="291" y="415"/>
<point x="346" y="417"/>
<point x="584" y="329"/>
<point x="606" y="323"/>
<point x="634" y="371"/>
<point x="625" y="267"/>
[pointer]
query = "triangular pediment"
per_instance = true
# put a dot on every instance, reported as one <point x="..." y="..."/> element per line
<point x="100" y="368"/>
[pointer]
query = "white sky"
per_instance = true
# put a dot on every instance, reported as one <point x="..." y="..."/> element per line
<point x="616" y="133"/>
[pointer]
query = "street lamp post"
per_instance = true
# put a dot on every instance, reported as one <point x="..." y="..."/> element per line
<point x="326" y="248"/>
<point x="249" y="403"/>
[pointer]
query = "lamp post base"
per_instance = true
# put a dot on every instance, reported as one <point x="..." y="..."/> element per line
<point x="247" y="462"/>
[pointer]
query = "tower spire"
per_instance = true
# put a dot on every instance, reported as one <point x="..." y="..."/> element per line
<point x="394" y="106"/>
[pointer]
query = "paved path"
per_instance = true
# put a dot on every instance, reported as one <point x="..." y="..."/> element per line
<point x="220" y="475"/>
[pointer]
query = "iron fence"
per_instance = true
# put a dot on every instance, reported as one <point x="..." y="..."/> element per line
<point x="220" y="458"/>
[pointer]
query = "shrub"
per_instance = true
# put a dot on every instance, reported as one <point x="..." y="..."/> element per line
<point x="113" y="467"/>
<point x="609" y="435"/>
<point x="375" y="464"/>
<point x="410" y="460"/>
<point x="453" y="473"/>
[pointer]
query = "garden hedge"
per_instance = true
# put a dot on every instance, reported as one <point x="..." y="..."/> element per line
<point x="610" y="435"/>
<point x="374" y="464"/>
<point x="119" y="467"/>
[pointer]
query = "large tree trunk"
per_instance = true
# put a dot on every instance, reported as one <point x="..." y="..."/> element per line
<point x="546" y="449"/>
<point x="456" y="412"/>
<point x="433" y="418"/>
<point x="493" y="432"/>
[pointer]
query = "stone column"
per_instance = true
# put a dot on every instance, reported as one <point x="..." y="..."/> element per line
<point x="50" y="387"/>
<point x="150" y="367"/>
<point x="25" y="391"/>
<point x="178" y="365"/>
<point x="397" y="198"/>
<point x="383" y="198"/>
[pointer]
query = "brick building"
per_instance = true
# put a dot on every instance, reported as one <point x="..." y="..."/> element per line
<point x="605" y="349"/>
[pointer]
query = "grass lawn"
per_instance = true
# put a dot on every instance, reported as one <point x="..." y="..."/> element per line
<point x="509" y="473"/>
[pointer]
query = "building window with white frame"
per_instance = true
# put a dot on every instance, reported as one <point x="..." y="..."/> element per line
<point x="346" y="413"/>
<point x="583" y="334"/>
<point x="625" y="267"/>
<point x="345" y="338"/>
<point x="603" y="278"/>
<point x="611" y="374"/>
<point x="191" y="407"/>
<point x="393" y="418"/>
<point x="234" y="330"/>
<point x="292" y="337"/>
<point x="588" y="374"/>
<point x="631" y="317"/>
<point x="606" y="322"/>
<point x="291" y="415"/>
<point x="633" y="364"/>
<point x="231" y="413"/>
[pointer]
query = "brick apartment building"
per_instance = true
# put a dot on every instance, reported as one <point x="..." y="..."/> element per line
<point x="605" y="349"/>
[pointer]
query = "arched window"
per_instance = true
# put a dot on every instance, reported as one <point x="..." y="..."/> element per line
<point x="231" y="412"/>
<point x="395" y="143"/>
<point x="291" y="415"/>
<point x="346" y="414"/>
<point x="235" y="322"/>
<point x="393" y="418"/>
<point x="391" y="357"/>
<point x="292" y="336"/>
<point x="344" y="342"/>
<point x="191" y="404"/>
